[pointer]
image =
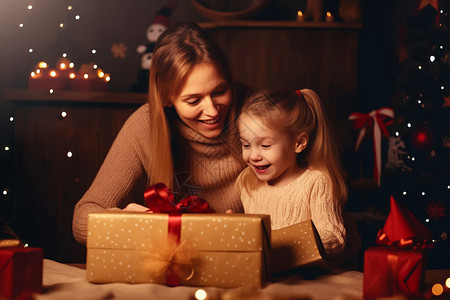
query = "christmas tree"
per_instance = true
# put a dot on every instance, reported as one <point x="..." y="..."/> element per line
<point x="417" y="172"/>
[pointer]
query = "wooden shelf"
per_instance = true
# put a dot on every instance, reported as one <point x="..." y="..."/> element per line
<point x="74" y="96"/>
<point x="280" y="24"/>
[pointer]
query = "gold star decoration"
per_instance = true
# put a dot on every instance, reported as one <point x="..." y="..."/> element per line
<point x="119" y="50"/>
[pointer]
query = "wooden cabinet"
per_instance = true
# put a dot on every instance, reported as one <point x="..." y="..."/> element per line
<point x="293" y="55"/>
<point x="61" y="139"/>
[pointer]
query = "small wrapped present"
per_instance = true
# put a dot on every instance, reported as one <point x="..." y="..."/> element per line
<point x="396" y="267"/>
<point x="179" y="247"/>
<point x="296" y="246"/>
<point x="20" y="272"/>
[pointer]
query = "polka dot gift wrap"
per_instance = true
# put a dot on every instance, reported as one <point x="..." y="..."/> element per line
<point x="222" y="250"/>
<point x="297" y="246"/>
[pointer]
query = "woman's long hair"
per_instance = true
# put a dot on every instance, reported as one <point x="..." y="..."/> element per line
<point x="177" y="51"/>
<point x="298" y="112"/>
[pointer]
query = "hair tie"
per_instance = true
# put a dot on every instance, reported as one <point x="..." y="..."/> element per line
<point x="299" y="93"/>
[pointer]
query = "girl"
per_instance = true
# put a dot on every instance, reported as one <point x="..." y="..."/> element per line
<point x="293" y="171"/>
<point x="183" y="137"/>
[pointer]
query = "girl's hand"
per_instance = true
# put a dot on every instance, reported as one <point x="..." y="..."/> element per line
<point x="229" y="211"/>
<point x="136" y="207"/>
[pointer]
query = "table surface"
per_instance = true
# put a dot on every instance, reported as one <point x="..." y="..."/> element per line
<point x="68" y="281"/>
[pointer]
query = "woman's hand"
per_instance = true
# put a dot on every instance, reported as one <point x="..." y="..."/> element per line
<point x="136" y="207"/>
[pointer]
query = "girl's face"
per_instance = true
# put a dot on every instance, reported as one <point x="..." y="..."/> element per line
<point x="204" y="101"/>
<point x="270" y="153"/>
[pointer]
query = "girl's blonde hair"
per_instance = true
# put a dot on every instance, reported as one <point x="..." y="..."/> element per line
<point x="298" y="112"/>
<point x="177" y="51"/>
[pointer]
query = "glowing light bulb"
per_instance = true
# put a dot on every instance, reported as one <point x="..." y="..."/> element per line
<point x="61" y="25"/>
<point x="26" y="245"/>
<point x="5" y="192"/>
<point x="53" y="73"/>
<point x="100" y="73"/>
<point x="64" y="55"/>
<point x="107" y="78"/>
<point x="397" y="133"/>
<point x="71" y="65"/>
<point x="42" y="65"/>
<point x="38" y="71"/>
<point x="404" y="193"/>
<point x="95" y="66"/>
<point x="33" y="74"/>
<point x="94" y="51"/>
<point x="413" y="158"/>
<point x="72" y="75"/>
<point x="419" y="101"/>
<point x="21" y="25"/>
<point x="420" y="67"/>
<point x="441" y="47"/>
<point x="409" y="125"/>
<point x="30" y="6"/>
<point x="11" y="119"/>
<point x="69" y="154"/>
<point x="427" y="220"/>
<point x="30" y="50"/>
<point x="200" y="294"/>
<point x="62" y="66"/>
<point x="423" y="193"/>
<point x="447" y="282"/>
<point x="63" y="114"/>
<point x="437" y="289"/>
<point x="442" y="87"/>
<point x="86" y="76"/>
<point x="77" y="17"/>
<point x="69" y="7"/>
<point x="51" y="91"/>
<point x="6" y="148"/>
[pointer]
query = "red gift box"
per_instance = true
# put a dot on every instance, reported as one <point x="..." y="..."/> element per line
<point x="20" y="272"/>
<point x="390" y="271"/>
<point x="397" y="267"/>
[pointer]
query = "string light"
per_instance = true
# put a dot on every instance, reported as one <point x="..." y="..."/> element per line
<point x="409" y="125"/>
<point x="441" y="47"/>
<point x="69" y="154"/>
<point x="432" y="58"/>
<point x="77" y="17"/>
<point x="437" y="289"/>
<point x="30" y="6"/>
<point x="30" y="50"/>
<point x="69" y="7"/>
<point x="442" y="88"/>
<point x="447" y="282"/>
<point x="64" y="55"/>
<point x="94" y="51"/>
<point x="397" y="133"/>
<point x="420" y="67"/>
<point x="423" y="193"/>
<point x="51" y="91"/>
<point x="427" y="220"/>
<point x="6" y="148"/>
<point x="63" y="114"/>
<point x="5" y="192"/>
<point x="200" y="294"/>
<point x="11" y="119"/>
<point x="404" y="193"/>
<point x="61" y="25"/>
<point x="21" y="25"/>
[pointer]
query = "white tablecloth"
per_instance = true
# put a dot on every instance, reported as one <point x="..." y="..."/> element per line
<point x="66" y="282"/>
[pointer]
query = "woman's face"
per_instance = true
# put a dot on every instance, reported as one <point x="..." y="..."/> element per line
<point x="204" y="101"/>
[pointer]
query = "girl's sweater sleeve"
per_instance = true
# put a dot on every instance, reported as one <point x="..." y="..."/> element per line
<point x="120" y="172"/>
<point x="327" y="216"/>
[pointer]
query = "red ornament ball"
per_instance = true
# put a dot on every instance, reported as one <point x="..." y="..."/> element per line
<point x="422" y="139"/>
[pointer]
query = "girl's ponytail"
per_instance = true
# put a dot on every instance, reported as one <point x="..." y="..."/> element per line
<point x="323" y="153"/>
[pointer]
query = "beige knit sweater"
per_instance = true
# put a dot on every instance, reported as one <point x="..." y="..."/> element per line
<point x="213" y="171"/>
<point x="308" y="197"/>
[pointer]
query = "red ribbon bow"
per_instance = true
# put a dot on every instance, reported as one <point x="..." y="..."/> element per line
<point x="160" y="199"/>
<point x="376" y="120"/>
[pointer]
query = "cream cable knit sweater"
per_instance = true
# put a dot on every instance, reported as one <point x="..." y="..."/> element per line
<point x="213" y="171"/>
<point x="308" y="197"/>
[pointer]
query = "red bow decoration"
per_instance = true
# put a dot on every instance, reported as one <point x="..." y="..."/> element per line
<point x="403" y="230"/>
<point x="159" y="199"/>
<point x="376" y="120"/>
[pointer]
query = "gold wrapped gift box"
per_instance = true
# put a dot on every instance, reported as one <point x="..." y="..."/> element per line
<point x="222" y="250"/>
<point x="297" y="246"/>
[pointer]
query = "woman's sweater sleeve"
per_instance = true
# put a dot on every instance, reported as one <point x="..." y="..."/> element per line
<point x="326" y="214"/>
<point x="122" y="168"/>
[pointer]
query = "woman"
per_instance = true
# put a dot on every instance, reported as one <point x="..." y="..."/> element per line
<point x="184" y="137"/>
